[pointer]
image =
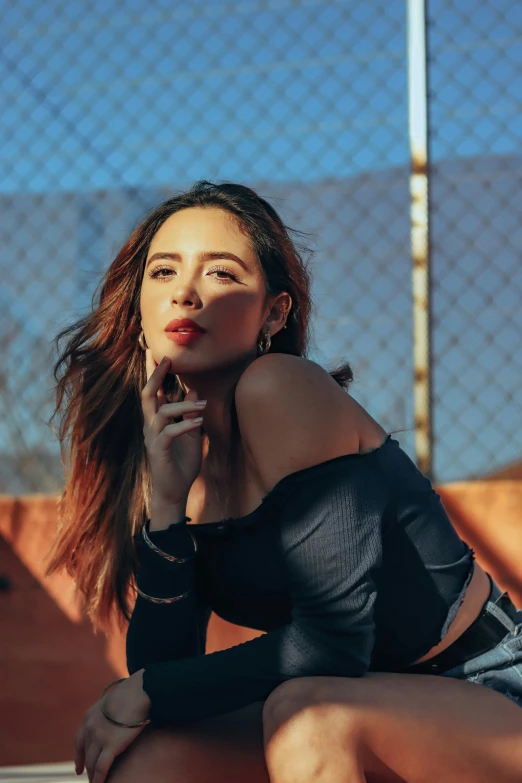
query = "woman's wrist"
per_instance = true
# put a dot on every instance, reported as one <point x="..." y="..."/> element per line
<point x="128" y="702"/>
<point x="163" y="515"/>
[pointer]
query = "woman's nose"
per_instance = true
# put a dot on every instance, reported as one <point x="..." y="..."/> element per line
<point x="184" y="290"/>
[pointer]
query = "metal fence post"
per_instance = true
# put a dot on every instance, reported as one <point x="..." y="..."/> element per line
<point x="418" y="135"/>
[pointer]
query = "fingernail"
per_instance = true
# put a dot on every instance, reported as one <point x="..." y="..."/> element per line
<point x="200" y="402"/>
<point x="163" y="360"/>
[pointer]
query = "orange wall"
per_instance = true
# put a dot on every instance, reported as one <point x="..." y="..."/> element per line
<point x="54" y="668"/>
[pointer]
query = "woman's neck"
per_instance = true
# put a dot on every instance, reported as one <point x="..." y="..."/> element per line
<point x="217" y="389"/>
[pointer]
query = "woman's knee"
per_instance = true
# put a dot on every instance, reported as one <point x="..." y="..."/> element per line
<point x="290" y="696"/>
<point x="306" y="732"/>
<point x="301" y="708"/>
<point x="299" y="695"/>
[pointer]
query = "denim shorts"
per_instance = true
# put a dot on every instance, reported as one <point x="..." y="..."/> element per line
<point x="501" y="667"/>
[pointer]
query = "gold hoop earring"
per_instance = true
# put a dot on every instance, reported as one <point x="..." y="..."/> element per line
<point x="265" y="343"/>
<point x="141" y="341"/>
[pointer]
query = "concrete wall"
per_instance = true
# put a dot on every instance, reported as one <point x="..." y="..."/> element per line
<point x="54" y="668"/>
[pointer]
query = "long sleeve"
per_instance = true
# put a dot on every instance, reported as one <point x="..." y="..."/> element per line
<point x="329" y="533"/>
<point x="160" y="632"/>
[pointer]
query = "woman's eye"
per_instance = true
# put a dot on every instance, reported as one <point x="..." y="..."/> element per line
<point x="157" y="271"/>
<point x="223" y="271"/>
<point x="156" y="274"/>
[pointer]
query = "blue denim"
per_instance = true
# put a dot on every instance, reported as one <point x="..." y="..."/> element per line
<point x="501" y="667"/>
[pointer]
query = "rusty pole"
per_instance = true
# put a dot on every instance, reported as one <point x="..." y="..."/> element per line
<point x="419" y="191"/>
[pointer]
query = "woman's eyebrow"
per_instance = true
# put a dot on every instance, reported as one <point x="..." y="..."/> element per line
<point x="208" y="255"/>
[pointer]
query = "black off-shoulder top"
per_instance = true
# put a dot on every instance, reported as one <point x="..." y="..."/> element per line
<point x="350" y="565"/>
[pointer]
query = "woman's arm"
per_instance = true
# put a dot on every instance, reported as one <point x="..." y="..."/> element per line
<point x="160" y="632"/>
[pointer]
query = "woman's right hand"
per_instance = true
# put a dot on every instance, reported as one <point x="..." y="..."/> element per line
<point x="174" y="448"/>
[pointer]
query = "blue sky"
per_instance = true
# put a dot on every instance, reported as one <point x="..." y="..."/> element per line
<point x="105" y="94"/>
<point x="135" y="93"/>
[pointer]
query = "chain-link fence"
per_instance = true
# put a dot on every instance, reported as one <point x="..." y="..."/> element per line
<point x="108" y="108"/>
<point x="475" y="66"/>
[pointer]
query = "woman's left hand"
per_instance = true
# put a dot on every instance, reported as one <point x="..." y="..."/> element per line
<point x="99" y="741"/>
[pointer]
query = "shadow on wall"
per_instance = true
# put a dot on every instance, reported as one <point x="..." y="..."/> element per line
<point x="53" y="666"/>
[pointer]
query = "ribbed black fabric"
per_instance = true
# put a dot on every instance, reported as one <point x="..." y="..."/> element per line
<point x="350" y="565"/>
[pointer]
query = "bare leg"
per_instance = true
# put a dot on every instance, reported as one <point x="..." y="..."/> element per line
<point x="225" y="749"/>
<point x="391" y="728"/>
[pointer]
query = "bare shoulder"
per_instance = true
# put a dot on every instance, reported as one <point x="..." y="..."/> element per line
<point x="273" y="368"/>
<point x="292" y="414"/>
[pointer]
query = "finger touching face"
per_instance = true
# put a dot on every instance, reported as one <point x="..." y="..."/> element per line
<point x="200" y="265"/>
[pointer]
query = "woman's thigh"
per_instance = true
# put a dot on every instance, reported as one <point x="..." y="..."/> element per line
<point x="414" y="727"/>
<point x="436" y="729"/>
<point x="227" y="748"/>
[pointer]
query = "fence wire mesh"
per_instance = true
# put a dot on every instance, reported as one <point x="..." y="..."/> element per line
<point x="475" y="67"/>
<point x="110" y="107"/>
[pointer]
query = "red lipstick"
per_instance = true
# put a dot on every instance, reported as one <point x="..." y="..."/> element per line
<point x="184" y="338"/>
<point x="184" y="331"/>
<point x="184" y="323"/>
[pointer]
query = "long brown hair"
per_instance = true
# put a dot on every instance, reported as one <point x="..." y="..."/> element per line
<point x="100" y="374"/>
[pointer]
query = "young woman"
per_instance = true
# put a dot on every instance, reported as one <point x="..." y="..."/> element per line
<point x="286" y="508"/>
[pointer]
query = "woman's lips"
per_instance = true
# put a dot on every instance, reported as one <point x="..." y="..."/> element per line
<point x="184" y="338"/>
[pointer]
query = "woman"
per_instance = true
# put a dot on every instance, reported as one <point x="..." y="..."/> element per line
<point x="285" y="507"/>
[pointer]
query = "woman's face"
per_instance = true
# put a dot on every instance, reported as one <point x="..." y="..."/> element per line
<point x="224" y="295"/>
